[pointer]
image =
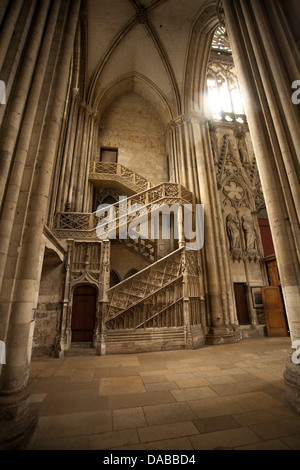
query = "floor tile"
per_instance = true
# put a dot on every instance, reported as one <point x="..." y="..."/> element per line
<point x="124" y="371"/>
<point x="167" y="431"/>
<point x="220" y="379"/>
<point x="168" y="413"/>
<point x="121" y="385"/>
<point x="263" y="416"/>
<point x="193" y="393"/>
<point x="217" y="423"/>
<point x="75" y="424"/>
<point x="140" y="399"/>
<point x="226" y="397"/>
<point x="256" y="401"/>
<point x="218" y="406"/>
<point x="274" y="429"/>
<point x="177" y="444"/>
<point x="128" y="418"/>
<point x="228" y="439"/>
<point x="152" y="387"/>
<point x="292" y="441"/>
<point x="180" y="376"/>
<point x="238" y="387"/>
<point x="68" y="443"/>
<point x="187" y="383"/>
<point x="110" y="439"/>
<point x="275" y="444"/>
<point x="153" y="372"/>
<point x="149" y="379"/>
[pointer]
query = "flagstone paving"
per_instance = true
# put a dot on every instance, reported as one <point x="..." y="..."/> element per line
<point x="218" y="397"/>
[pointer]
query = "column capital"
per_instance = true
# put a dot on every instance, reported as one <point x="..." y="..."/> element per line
<point x="88" y="109"/>
<point x="188" y="118"/>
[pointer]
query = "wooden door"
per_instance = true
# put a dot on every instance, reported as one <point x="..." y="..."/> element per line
<point x="272" y="269"/>
<point x="83" y="313"/>
<point x="274" y="311"/>
<point x="241" y="303"/>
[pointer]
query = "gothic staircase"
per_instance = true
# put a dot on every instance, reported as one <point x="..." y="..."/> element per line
<point x="159" y="307"/>
<point x="87" y="226"/>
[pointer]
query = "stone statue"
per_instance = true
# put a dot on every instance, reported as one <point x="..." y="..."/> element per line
<point x="233" y="232"/>
<point x="249" y="234"/>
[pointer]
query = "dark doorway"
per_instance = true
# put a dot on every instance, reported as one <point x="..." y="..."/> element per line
<point x="109" y="155"/>
<point x="130" y="273"/>
<point x="83" y="313"/>
<point x="241" y="303"/>
<point x="109" y="200"/>
<point x="114" y="278"/>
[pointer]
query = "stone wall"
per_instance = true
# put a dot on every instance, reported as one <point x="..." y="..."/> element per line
<point x="48" y="309"/>
<point x="123" y="260"/>
<point x="133" y="127"/>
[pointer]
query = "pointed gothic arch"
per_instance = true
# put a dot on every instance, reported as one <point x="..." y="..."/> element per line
<point x="135" y="82"/>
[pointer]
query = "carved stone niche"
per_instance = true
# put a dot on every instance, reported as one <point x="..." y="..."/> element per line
<point x="250" y="238"/>
<point x="233" y="231"/>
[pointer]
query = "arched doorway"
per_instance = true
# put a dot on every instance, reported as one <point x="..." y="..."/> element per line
<point x="114" y="278"/>
<point x="83" y="313"/>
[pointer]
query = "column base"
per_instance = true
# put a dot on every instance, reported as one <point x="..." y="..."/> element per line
<point x="223" y="335"/>
<point x="292" y="382"/>
<point x="18" y="421"/>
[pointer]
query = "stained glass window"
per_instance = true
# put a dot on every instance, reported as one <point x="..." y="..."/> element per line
<point x="220" y="40"/>
<point x="224" y="96"/>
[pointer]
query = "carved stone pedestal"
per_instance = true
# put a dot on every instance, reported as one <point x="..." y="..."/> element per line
<point x="18" y="421"/>
<point x="292" y="382"/>
<point x="223" y="335"/>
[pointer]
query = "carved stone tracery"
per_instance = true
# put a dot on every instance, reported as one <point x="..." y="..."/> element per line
<point x="240" y="189"/>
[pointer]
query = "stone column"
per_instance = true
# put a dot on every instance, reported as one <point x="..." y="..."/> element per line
<point x="285" y="115"/>
<point x="82" y="157"/>
<point x="14" y="406"/>
<point x="171" y="143"/>
<point x="61" y="342"/>
<point x="244" y="22"/>
<point x="15" y="115"/>
<point x="188" y="340"/>
<point x="15" y="179"/>
<point x="70" y="203"/>
<point x="229" y="302"/>
<point x="68" y="153"/>
<point x="8" y="27"/>
<point x="104" y="301"/>
<point x="218" y="291"/>
<point x="86" y="195"/>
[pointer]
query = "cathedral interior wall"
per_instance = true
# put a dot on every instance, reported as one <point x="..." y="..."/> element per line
<point x="133" y="127"/>
<point x="48" y="308"/>
<point x="123" y="260"/>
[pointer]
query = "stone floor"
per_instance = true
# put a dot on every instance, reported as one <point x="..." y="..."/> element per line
<point x="217" y="397"/>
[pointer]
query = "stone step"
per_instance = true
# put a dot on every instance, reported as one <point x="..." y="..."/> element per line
<point x="81" y="349"/>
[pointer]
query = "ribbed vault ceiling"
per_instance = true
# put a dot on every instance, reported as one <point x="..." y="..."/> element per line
<point x="147" y="38"/>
